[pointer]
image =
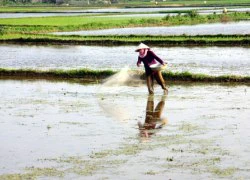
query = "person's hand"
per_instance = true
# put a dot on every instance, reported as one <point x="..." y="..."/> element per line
<point x="138" y="65"/>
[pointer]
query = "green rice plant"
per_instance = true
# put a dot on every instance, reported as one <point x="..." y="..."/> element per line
<point x="74" y="23"/>
<point x="193" y="14"/>
<point x="183" y="40"/>
<point x="1" y="30"/>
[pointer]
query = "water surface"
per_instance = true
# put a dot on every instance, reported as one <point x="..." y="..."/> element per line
<point x="91" y="131"/>
<point x="230" y="28"/>
<point x="207" y="60"/>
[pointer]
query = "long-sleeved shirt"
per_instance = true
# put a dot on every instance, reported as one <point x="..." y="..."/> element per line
<point x="148" y="60"/>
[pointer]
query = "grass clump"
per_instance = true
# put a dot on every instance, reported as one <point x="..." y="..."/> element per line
<point x="34" y="173"/>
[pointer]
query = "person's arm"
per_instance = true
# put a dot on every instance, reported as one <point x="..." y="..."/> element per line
<point x="157" y="58"/>
<point x="138" y="62"/>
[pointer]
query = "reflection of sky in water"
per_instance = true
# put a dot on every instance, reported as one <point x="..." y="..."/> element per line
<point x="209" y="60"/>
<point x="201" y="29"/>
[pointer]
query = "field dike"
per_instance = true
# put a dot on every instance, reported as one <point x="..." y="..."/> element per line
<point x="183" y="40"/>
<point x="134" y="76"/>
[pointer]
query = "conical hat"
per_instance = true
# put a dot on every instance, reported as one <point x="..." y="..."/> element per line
<point x="142" y="46"/>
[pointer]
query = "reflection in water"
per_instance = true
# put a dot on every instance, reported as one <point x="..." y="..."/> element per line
<point x="153" y="119"/>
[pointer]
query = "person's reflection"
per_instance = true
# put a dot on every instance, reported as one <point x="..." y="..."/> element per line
<point x="153" y="119"/>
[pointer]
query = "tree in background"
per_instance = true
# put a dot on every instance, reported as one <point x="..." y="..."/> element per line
<point x="88" y="2"/>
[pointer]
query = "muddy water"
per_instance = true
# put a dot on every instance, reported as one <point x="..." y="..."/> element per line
<point x="200" y="29"/>
<point x="65" y="130"/>
<point x="207" y="60"/>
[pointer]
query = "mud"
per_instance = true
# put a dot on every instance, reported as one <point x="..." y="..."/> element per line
<point x="69" y="130"/>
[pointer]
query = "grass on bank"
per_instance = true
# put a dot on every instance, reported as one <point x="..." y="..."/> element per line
<point x="81" y="73"/>
<point x="75" y="23"/>
<point x="102" y="74"/>
<point x="205" y="40"/>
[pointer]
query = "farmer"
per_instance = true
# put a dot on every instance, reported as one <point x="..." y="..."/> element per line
<point x="149" y="58"/>
<point x="153" y="119"/>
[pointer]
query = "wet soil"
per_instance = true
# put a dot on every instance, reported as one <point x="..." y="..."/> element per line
<point x="70" y="130"/>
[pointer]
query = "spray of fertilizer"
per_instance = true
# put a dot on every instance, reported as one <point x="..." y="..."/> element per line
<point x="122" y="78"/>
<point x="118" y="79"/>
<point x="109" y="91"/>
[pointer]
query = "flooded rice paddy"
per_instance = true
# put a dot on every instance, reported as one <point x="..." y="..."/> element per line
<point x="74" y="131"/>
<point x="206" y="60"/>
<point x="230" y="28"/>
<point x="137" y="11"/>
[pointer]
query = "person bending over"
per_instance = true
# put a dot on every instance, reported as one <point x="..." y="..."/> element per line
<point x="149" y="58"/>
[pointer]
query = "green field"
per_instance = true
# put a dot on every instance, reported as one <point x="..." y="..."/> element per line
<point x="74" y="23"/>
<point x="34" y="30"/>
<point x="192" y="17"/>
<point x="38" y="9"/>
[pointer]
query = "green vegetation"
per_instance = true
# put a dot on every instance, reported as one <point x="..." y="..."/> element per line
<point x="96" y="75"/>
<point x="34" y="173"/>
<point x="205" y="40"/>
<point x="223" y="172"/>
<point x="187" y="76"/>
<point x="150" y="3"/>
<point x="75" y="23"/>
<point x="125" y="3"/>
<point x="35" y="29"/>
<point x="82" y="73"/>
<point x="37" y="9"/>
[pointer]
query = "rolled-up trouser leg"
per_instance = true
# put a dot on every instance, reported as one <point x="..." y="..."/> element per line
<point x="150" y="84"/>
<point x="160" y="80"/>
